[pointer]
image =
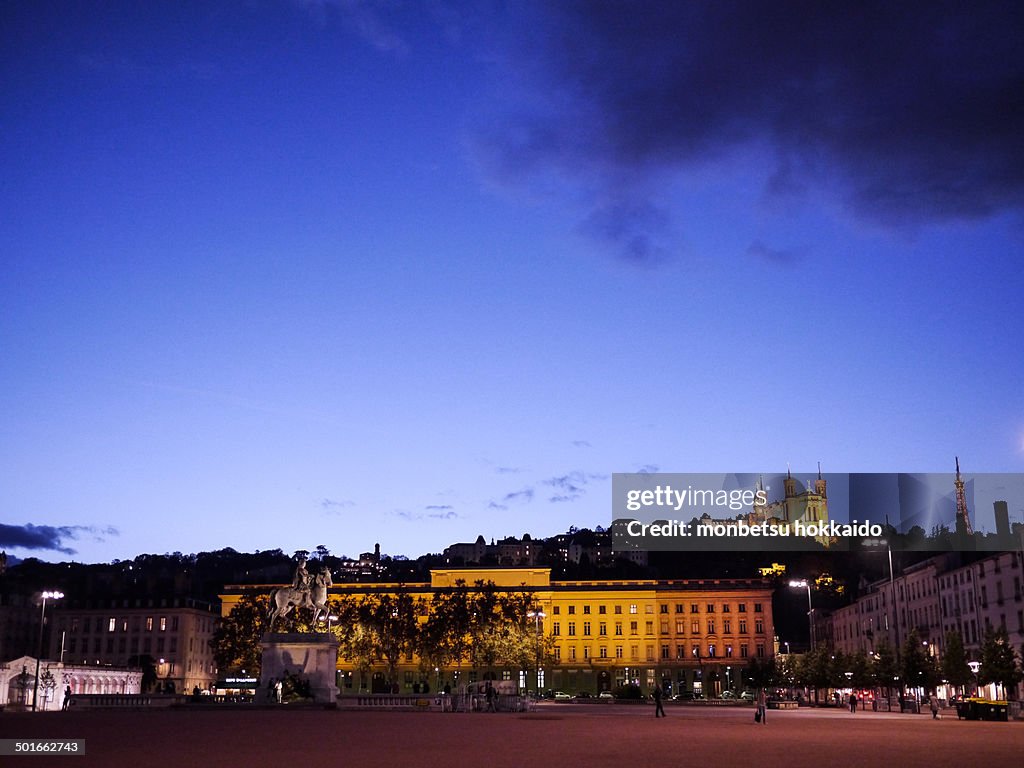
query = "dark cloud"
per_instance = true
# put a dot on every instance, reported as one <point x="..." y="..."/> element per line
<point x="49" y="537"/>
<point x="497" y="507"/>
<point x="564" y="497"/>
<point x="447" y="514"/>
<point x="581" y="443"/>
<point x="648" y="469"/>
<point x="524" y="495"/>
<point x="507" y="470"/>
<point x="908" y="114"/>
<point x="437" y="507"/>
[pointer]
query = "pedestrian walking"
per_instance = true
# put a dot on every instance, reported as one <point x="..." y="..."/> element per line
<point x="67" y="699"/>
<point x="761" y="714"/>
<point x="933" y="704"/>
<point x="659" y="710"/>
<point x="853" y="703"/>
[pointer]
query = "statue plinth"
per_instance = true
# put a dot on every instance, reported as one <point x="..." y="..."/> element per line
<point x="313" y="657"/>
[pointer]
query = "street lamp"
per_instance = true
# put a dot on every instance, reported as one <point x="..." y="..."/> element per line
<point x="48" y="595"/>
<point x="975" y="666"/>
<point x="804" y="584"/>
<point x="538" y="616"/>
<point x="892" y="589"/>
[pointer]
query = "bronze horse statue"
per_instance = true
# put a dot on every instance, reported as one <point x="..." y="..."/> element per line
<point x="284" y="599"/>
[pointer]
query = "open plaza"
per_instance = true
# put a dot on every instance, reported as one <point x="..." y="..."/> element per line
<point x="555" y="734"/>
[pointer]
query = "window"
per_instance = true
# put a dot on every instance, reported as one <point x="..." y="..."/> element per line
<point x="648" y="609"/>
<point x="727" y="626"/>
<point x="572" y="628"/>
<point x="693" y="608"/>
<point x="664" y="651"/>
<point x="602" y="610"/>
<point x="558" y="653"/>
<point x="602" y="652"/>
<point x="556" y="628"/>
<point x="680" y="627"/>
<point x="695" y="627"/>
<point x="725" y="608"/>
<point x="602" y="628"/>
<point x="618" y="651"/>
<point x="618" y="627"/>
<point x="741" y="608"/>
<point x="163" y="623"/>
<point x="586" y="651"/>
<point x="586" y="628"/>
<point x="728" y="651"/>
<point x="634" y="652"/>
<point x="572" y="610"/>
<point x="556" y="610"/>
<point x="679" y="607"/>
<point x="711" y="626"/>
<point x="618" y="609"/>
<point x="744" y="651"/>
<point x="572" y="653"/>
<point x="633" y="628"/>
<point x="664" y="627"/>
<point x="149" y="623"/>
<point x="711" y="650"/>
<point x="111" y="624"/>
<point x="664" y="608"/>
<point x="757" y="608"/>
<point x="649" y="627"/>
<point x="711" y="607"/>
<point x="174" y="624"/>
<point x="760" y="650"/>
<point x="759" y="627"/>
<point x="632" y="608"/>
<point x="680" y="651"/>
<point x="586" y="609"/>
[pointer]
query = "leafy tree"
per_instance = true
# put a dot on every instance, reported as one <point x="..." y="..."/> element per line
<point x="887" y="670"/>
<point x="147" y="664"/>
<point x="917" y="667"/>
<point x="762" y="673"/>
<point x="862" y="667"/>
<point x="954" y="661"/>
<point x="236" y="643"/>
<point x="999" y="662"/>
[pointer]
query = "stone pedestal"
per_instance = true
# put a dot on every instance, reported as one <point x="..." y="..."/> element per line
<point x="310" y="656"/>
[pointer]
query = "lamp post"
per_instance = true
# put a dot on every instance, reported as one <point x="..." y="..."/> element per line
<point x="538" y="617"/>
<point x="47" y="595"/>
<point x="804" y="584"/>
<point x="975" y="666"/>
<point x="892" y="589"/>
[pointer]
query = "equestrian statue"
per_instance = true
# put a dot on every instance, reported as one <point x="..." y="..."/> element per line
<point x="306" y="591"/>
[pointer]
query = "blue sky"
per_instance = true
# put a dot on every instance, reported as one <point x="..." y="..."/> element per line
<point x="281" y="274"/>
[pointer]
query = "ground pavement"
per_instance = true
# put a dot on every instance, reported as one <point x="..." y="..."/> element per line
<point x="554" y="735"/>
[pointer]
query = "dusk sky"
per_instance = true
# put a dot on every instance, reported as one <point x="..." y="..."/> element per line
<point x="286" y="273"/>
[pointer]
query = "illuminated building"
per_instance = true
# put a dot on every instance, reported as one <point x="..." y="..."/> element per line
<point x="692" y="634"/>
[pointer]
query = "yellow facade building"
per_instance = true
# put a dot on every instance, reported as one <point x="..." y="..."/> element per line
<point x="687" y="635"/>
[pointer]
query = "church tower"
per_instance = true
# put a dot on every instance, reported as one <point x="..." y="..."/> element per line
<point x="963" y="517"/>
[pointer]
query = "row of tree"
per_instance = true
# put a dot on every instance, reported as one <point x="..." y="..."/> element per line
<point x="473" y="625"/>
<point x="915" y="667"/>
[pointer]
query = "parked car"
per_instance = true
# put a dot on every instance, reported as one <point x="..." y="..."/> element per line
<point x="584" y="695"/>
<point x="747" y="696"/>
<point x="728" y="695"/>
<point x="562" y="696"/>
<point x="605" y="695"/>
<point x="686" y="696"/>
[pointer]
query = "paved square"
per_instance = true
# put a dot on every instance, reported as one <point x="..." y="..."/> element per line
<point x="555" y="735"/>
